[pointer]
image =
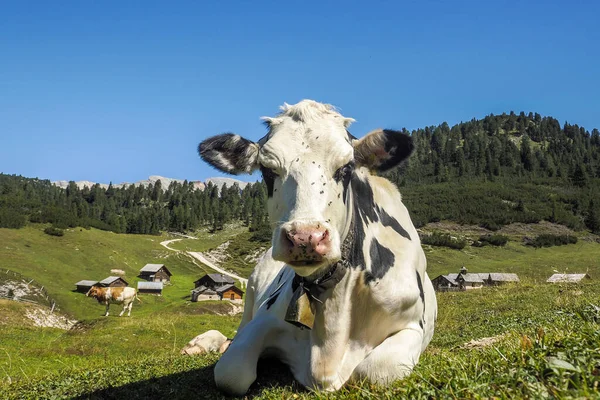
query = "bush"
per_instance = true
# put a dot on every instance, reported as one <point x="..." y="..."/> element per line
<point x="549" y="240"/>
<point x="263" y="234"/>
<point x="12" y="218"/>
<point x="494" y="240"/>
<point x="444" y="240"/>
<point x="53" y="231"/>
<point x="491" y="225"/>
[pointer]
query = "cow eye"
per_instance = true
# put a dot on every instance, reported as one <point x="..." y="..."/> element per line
<point x="344" y="172"/>
<point x="268" y="173"/>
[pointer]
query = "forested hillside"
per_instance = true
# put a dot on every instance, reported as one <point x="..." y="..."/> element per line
<point x="131" y="209"/>
<point x="502" y="169"/>
<point x="490" y="172"/>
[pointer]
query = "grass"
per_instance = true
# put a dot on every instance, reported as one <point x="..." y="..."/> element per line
<point x="548" y="335"/>
<point x="534" y="265"/>
<point x="548" y="346"/>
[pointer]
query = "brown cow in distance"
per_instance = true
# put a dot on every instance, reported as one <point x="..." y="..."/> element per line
<point x="116" y="295"/>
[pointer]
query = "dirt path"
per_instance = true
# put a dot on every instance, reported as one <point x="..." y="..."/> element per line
<point x="200" y="257"/>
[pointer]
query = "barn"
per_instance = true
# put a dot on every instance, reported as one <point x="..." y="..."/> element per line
<point x="113" y="281"/>
<point x="84" y="286"/>
<point x="154" y="288"/>
<point x="568" y="278"/>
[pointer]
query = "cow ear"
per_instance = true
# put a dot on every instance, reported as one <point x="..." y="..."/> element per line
<point x="230" y="153"/>
<point x="382" y="149"/>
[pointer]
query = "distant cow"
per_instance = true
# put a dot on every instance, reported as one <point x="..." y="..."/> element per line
<point x="114" y="295"/>
<point x="343" y="294"/>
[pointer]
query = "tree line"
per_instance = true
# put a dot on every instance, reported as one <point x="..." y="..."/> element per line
<point x="491" y="172"/>
<point x="131" y="209"/>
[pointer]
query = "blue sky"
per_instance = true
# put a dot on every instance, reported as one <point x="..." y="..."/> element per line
<point x="120" y="90"/>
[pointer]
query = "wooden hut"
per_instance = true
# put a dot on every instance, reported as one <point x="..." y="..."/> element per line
<point x="214" y="281"/>
<point x="155" y="273"/>
<point x="113" y="281"/>
<point x="445" y="283"/>
<point x="230" y="292"/>
<point x="154" y="288"/>
<point x="85" y="286"/>
<point x="203" y="293"/>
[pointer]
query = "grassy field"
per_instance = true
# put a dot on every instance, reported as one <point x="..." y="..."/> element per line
<point x="546" y="337"/>
<point x="545" y="342"/>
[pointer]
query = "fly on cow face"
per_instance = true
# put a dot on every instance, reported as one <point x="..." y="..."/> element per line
<point x="307" y="160"/>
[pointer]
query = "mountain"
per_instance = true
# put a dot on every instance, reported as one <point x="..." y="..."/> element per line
<point x="165" y="182"/>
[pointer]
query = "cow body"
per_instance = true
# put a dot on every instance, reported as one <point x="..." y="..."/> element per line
<point x="343" y="294"/>
<point x="114" y="295"/>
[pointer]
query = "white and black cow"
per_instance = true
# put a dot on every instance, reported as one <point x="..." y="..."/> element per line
<point x="343" y="294"/>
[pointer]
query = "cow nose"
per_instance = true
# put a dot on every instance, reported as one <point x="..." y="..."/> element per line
<point x="308" y="243"/>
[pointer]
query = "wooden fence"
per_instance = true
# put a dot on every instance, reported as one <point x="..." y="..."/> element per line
<point x="41" y="296"/>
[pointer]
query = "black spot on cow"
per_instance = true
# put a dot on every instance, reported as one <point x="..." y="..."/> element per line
<point x="366" y="212"/>
<point x="382" y="259"/>
<point x="420" y="284"/>
<point x="369" y="211"/>
<point x="272" y="299"/>
<point x="269" y="178"/>
<point x="388" y="220"/>
<point x="421" y="292"/>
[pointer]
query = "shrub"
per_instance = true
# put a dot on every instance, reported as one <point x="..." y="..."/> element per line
<point x="549" y="240"/>
<point x="53" y="231"/>
<point x="444" y="240"/>
<point x="494" y="240"/>
<point x="491" y="225"/>
<point x="264" y="234"/>
<point x="11" y="218"/>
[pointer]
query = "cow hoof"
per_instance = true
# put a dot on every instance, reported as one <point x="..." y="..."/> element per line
<point x="208" y="341"/>
<point x="224" y="346"/>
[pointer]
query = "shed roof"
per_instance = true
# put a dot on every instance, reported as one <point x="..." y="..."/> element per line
<point x="86" y="283"/>
<point x="228" y="287"/>
<point x="568" y="278"/>
<point x="449" y="278"/>
<point x="150" y="285"/>
<point x="155" y="268"/>
<point x="203" y="290"/>
<point x="503" y="277"/>
<point x="111" y="279"/>
<point x="219" y="278"/>
<point x="470" y="277"/>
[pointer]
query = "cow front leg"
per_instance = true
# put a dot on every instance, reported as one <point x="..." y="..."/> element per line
<point x="129" y="309"/>
<point x="106" y="313"/>
<point x="393" y="359"/>
<point x="123" y="310"/>
<point x="236" y="369"/>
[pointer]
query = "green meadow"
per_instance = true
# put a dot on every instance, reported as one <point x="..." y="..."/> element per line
<point x="541" y="340"/>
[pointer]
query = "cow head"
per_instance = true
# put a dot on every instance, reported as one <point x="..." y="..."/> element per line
<point x="93" y="292"/>
<point x="308" y="159"/>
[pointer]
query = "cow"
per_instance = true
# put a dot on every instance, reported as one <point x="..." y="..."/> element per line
<point x="343" y="294"/>
<point x="114" y="295"/>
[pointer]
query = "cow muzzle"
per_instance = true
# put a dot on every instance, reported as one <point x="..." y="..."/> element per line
<point x="305" y="244"/>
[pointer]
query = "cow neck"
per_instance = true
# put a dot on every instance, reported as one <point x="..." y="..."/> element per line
<point x="308" y="290"/>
